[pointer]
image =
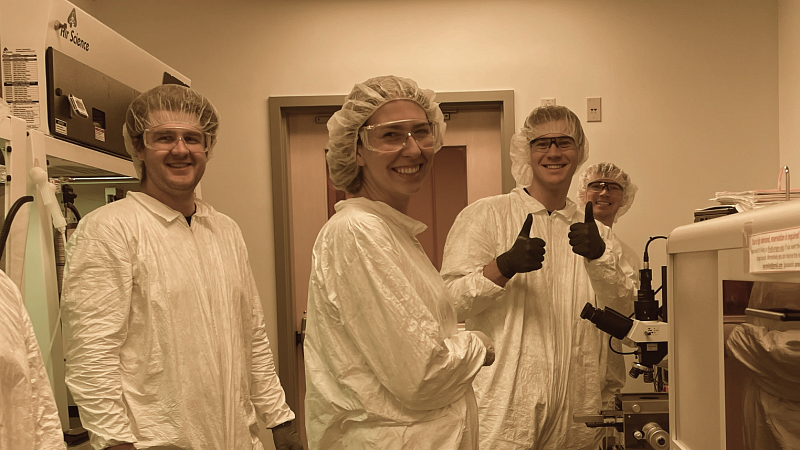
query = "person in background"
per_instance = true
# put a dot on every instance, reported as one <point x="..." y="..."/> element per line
<point x="768" y="351"/>
<point x="165" y="338"/>
<point x="28" y="414"/>
<point x="612" y="192"/>
<point x="386" y="367"/>
<point x="550" y="363"/>
<point x="770" y="401"/>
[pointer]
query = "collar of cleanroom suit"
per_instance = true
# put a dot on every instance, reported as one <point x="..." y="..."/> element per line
<point x="27" y="409"/>
<point x="550" y="364"/>
<point x="166" y="345"/>
<point x="385" y="364"/>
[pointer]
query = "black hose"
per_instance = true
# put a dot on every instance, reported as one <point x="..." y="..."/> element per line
<point x="619" y="353"/>
<point x="9" y="219"/>
<point x="646" y="258"/>
<point x="74" y="210"/>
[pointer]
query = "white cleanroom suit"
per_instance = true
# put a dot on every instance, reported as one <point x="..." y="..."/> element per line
<point x="617" y="373"/>
<point x="166" y="345"/>
<point x="630" y="259"/>
<point x="551" y="364"/>
<point x="771" y="390"/>
<point x="769" y="350"/>
<point x="386" y="367"/>
<point x="28" y="415"/>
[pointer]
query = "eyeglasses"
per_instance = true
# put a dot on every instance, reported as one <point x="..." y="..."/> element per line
<point x="599" y="186"/>
<point x="166" y="138"/>
<point x="392" y="136"/>
<point x="563" y="143"/>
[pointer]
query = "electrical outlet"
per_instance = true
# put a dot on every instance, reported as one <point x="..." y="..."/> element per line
<point x="548" y="101"/>
<point x="594" y="112"/>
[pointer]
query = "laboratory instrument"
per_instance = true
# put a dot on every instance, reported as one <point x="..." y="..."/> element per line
<point x="643" y="419"/>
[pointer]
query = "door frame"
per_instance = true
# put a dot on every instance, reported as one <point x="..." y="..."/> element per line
<point x="278" y="110"/>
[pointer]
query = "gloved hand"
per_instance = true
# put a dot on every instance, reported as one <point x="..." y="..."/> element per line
<point x="489" y="360"/>
<point x="285" y="437"/>
<point x="585" y="237"/>
<point x="526" y="255"/>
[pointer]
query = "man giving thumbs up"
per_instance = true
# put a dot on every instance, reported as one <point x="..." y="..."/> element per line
<point x="584" y="237"/>
<point x="550" y="365"/>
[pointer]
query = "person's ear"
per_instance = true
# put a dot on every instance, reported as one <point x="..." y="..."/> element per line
<point x="360" y="159"/>
<point x="138" y="145"/>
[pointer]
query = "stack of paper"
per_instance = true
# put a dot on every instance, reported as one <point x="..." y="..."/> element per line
<point x="747" y="200"/>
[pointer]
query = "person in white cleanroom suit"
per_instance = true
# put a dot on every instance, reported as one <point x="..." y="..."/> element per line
<point x="28" y="415"/>
<point x="165" y="340"/>
<point x="386" y="367"/>
<point x="612" y="192"/>
<point x="770" y="354"/>
<point x="550" y="364"/>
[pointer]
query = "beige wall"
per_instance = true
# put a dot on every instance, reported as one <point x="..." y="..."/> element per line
<point x="689" y="87"/>
<point x="789" y="85"/>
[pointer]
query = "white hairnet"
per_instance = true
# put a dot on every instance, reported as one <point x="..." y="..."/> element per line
<point x="611" y="172"/>
<point x="360" y="104"/>
<point x="541" y="121"/>
<point x="168" y="98"/>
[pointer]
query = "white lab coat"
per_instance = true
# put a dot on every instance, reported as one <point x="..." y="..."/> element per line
<point x="28" y="415"/>
<point x="386" y="368"/>
<point x="771" y="390"/>
<point x="551" y="364"/>
<point x="166" y="345"/>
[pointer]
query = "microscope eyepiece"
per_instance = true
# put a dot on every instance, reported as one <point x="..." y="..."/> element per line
<point x="607" y="320"/>
<point x="588" y="312"/>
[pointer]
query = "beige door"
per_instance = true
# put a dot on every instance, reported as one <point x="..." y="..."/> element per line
<point x="469" y="167"/>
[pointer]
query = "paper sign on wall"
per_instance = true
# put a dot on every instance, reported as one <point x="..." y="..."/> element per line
<point x="775" y="251"/>
<point x="21" y="84"/>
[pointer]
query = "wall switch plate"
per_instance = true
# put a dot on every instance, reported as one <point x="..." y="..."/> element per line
<point x="593" y="109"/>
<point x="548" y="101"/>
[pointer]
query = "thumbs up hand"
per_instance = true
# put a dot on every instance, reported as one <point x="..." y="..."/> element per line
<point x="585" y="237"/>
<point x="526" y="255"/>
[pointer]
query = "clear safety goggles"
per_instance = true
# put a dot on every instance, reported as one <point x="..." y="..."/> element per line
<point x="392" y="136"/>
<point x="563" y="143"/>
<point x="167" y="138"/>
<point x="600" y="186"/>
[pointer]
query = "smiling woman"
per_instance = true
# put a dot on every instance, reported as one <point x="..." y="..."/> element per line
<point x="386" y="365"/>
<point x="395" y="170"/>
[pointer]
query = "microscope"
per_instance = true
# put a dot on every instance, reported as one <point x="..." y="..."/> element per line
<point x="642" y="418"/>
<point x="645" y="332"/>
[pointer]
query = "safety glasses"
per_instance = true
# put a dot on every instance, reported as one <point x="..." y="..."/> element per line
<point x="563" y="143"/>
<point x="600" y="186"/>
<point x="392" y="136"/>
<point x="167" y="138"/>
